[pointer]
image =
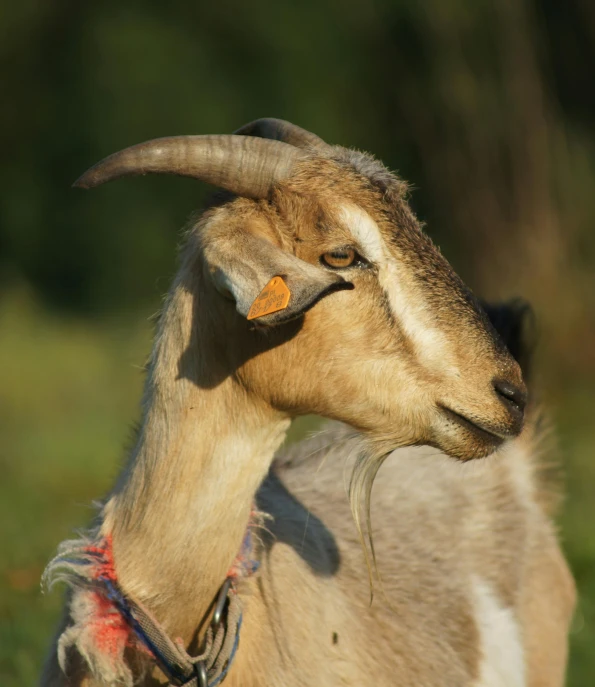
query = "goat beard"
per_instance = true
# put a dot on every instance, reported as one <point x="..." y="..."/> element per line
<point x="368" y="456"/>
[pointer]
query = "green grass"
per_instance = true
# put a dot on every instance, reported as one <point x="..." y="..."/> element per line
<point x="69" y="395"/>
<point x="576" y="431"/>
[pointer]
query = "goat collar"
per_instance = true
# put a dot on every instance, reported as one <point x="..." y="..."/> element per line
<point x="124" y="621"/>
<point x="220" y="645"/>
<point x="222" y="637"/>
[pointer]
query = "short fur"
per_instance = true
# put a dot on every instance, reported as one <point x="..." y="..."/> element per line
<point x="401" y="351"/>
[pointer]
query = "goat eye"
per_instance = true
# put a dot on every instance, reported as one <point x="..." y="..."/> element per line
<point x="340" y="258"/>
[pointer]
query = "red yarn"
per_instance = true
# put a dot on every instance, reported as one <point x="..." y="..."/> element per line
<point x="105" y="555"/>
<point x="111" y="630"/>
<point x="244" y="565"/>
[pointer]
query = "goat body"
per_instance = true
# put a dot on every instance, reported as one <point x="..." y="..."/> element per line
<point x="473" y="587"/>
<point x="474" y="590"/>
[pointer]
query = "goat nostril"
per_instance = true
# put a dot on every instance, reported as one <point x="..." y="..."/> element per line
<point x="510" y="394"/>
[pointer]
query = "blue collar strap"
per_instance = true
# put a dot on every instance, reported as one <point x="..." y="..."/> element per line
<point x="182" y="670"/>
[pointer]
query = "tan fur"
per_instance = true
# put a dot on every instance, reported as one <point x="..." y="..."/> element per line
<point x="219" y="397"/>
<point x="545" y="615"/>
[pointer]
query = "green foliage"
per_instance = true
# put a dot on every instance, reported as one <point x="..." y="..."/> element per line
<point x="487" y="107"/>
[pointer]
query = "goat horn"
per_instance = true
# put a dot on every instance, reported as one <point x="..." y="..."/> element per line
<point x="280" y="130"/>
<point x="243" y="165"/>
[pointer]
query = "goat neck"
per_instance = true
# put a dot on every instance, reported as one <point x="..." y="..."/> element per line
<point x="180" y="510"/>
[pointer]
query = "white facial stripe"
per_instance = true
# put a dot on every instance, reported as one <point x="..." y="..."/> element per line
<point x="407" y="304"/>
<point x="365" y="231"/>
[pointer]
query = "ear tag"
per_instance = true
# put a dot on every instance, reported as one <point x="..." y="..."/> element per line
<point x="274" y="297"/>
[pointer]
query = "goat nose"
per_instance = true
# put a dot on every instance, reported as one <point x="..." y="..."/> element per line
<point x="512" y="396"/>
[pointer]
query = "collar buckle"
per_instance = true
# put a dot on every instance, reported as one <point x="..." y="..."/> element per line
<point x="220" y="604"/>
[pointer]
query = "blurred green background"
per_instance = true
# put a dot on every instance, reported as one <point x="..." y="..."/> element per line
<point x="487" y="107"/>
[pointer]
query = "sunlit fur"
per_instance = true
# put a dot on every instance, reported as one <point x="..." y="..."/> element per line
<point x="383" y="357"/>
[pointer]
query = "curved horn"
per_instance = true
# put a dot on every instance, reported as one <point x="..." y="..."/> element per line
<point x="243" y="165"/>
<point x="280" y="130"/>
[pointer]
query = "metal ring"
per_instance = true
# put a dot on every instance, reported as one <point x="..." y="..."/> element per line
<point x="220" y="605"/>
<point x="201" y="674"/>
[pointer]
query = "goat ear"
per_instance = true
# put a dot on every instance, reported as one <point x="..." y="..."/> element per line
<point x="242" y="265"/>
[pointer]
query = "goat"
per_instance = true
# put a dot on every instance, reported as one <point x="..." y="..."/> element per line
<point x="308" y="286"/>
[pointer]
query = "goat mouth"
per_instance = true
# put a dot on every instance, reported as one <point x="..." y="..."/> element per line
<point x="480" y="431"/>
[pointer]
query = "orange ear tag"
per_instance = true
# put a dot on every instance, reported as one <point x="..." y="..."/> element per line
<point x="274" y="297"/>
